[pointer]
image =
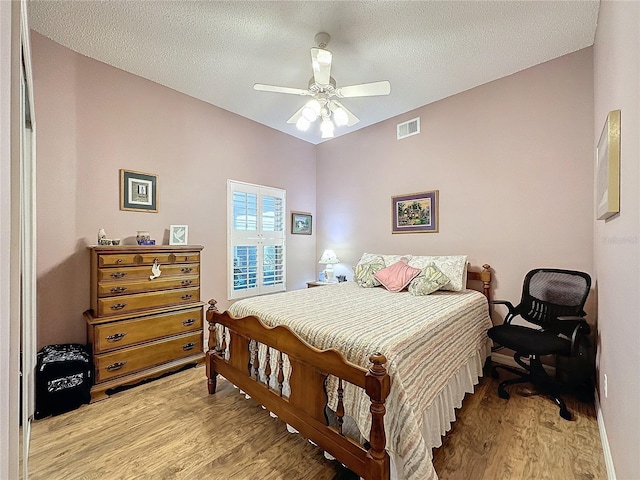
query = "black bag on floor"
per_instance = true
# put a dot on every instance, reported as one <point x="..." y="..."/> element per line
<point x="63" y="379"/>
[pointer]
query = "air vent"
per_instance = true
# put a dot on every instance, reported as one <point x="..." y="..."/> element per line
<point x="406" y="129"/>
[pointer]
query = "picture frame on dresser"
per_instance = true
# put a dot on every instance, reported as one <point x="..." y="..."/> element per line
<point x="138" y="191"/>
<point x="178" y="235"/>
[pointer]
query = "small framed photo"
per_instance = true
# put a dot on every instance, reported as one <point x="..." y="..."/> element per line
<point x="178" y="235"/>
<point x="301" y="223"/>
<point x="415" y="212"/>
<point x="138" y="191"/>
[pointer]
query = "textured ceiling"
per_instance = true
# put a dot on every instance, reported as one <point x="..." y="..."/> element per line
<point x="215" y="51"/>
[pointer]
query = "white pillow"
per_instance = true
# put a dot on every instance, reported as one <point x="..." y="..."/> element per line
<point x="453" y="266"/>
<point x="388" y="259"/>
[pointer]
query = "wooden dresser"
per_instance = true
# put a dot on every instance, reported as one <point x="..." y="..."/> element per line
<point x="141" y="327"/>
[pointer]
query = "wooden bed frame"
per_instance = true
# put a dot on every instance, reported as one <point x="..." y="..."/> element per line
<point x="304" y="408"/>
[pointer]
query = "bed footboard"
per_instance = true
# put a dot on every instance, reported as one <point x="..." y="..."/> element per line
<point x="244" y="343"/>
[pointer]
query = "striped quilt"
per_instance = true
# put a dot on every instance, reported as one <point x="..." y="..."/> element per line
<point x="426" y="340"/>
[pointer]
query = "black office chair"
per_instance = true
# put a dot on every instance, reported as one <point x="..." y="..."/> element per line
<point x="553" y="300"/>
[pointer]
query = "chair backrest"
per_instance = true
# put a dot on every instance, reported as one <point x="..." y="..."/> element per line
<point x="549" y="293"/>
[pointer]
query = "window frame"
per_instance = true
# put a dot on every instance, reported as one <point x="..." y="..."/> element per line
<point x="257" y="239"/>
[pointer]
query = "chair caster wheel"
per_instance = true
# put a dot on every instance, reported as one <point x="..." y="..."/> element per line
<point x="494" y="373"/>
<point x="502" y="393"/>
<point x="566" y="414"/>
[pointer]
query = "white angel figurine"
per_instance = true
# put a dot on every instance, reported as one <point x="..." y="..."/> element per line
<point x="155" y="271"/>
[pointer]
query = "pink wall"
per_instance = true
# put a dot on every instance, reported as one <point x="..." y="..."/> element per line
<point x="93" y="120"/>
<point x="617" y="241"/>
<point x="512" y="161"/>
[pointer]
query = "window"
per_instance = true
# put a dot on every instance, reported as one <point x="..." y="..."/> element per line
<point x="256" y="240"/>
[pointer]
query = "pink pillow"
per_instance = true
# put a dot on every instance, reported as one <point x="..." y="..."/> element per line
<point x="397" y="276"/>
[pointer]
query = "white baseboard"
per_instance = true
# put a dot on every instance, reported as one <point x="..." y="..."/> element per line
<point x="606" y="450"/>
<point x="503" y="359"/>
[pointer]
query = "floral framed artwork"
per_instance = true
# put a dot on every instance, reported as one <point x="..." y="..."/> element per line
<point x="178" y="234"/>
<point x="301" y="223"/>
<point x="608" y="168"/>
<point x="415" y="212"/>
<point x="138" y="191"/>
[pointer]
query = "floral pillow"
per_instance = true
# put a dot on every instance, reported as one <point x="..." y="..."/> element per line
<point x="428" y="281"/>
<point x="453" y="266"/>
<point x="363" y="273"/>
<point x="397" y="276"/>
<point x="388" y="259"/>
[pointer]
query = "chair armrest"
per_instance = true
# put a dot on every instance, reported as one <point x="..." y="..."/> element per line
<point x="513" y="312"/>
<point x="574" y="328"/>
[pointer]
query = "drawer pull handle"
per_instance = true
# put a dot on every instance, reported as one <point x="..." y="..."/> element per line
<point x="189" y="322"/>
<point x="119" y="260"/>
<point x="118" y="289"/>
<point x="186" y="270"/>
<point x="116" y="337"/>
<point x="186" y="259"/>
<point x="118" y="306"/>
<point x="188" y="346"/>
<point x="187" y="296"/>
<point x="186" y="283"/>
<point x="116" y="366"/>
<point x="118" y="274"/>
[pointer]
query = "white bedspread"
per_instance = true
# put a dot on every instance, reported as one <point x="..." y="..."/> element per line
<point x="427" y="341"/>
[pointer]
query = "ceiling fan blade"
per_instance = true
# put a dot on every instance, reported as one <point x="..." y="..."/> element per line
<point x="352" y="119"/>
<point x="272" y="88"/>
<point x="364" y="90"/>
<point x="294" y="118"/>
<point x="321" y="63"/>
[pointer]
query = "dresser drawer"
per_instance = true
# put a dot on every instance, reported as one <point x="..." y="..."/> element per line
<point x="110" y="336"/>
<point x="162" y="258"/>
<point x="146" y="258"/>
<point x="129" y="273"/>
<point x="111" y="288"/>
<point x="133" y="359"/>
<point x="120" y="305"/>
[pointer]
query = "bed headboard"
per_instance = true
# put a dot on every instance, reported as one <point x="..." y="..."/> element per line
<point x="483" y="276"/>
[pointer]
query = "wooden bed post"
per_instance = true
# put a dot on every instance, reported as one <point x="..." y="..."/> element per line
<point x="485" y="277"/>
<point x="378" y="385"/>
<point x="212" y="377"/>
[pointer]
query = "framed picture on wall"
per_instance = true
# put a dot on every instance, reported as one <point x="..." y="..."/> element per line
<point x="178" y="235"/>
<point x="301" y="223"/>
<point x="138" y="191"/>
<point x="608" y="168"/>
<point x="415" y="212"/>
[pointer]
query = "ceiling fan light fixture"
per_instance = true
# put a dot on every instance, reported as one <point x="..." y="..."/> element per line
<point x="326" y="128"/>
<point x="340" y="117"/>
<point x="311" y="110"/>
<point x="303" y="124"/>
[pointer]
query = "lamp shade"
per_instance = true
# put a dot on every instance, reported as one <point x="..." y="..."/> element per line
<point x="329" y="257"/>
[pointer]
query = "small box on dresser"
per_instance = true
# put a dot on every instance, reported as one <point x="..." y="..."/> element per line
<point x="141" y="324"/>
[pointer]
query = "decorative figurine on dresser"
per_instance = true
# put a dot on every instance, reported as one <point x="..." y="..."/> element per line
<point x="146" y="316"/>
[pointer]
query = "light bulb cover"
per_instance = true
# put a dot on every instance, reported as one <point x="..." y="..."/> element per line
<point x="326" y="128"/>
<point x="303" y="124"/>
<point x="340" y="117"/>
<point x="311" y="110"/>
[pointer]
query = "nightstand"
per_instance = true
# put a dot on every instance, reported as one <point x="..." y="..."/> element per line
<point x="318" y="284"/>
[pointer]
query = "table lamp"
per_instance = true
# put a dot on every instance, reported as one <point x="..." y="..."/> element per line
<point x="329" y="258"/>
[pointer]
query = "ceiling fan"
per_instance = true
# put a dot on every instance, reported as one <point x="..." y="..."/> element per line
<point x="322" y="87"/>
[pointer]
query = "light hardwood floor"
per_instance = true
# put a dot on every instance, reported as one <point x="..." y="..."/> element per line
<point x="172" y="429"/>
